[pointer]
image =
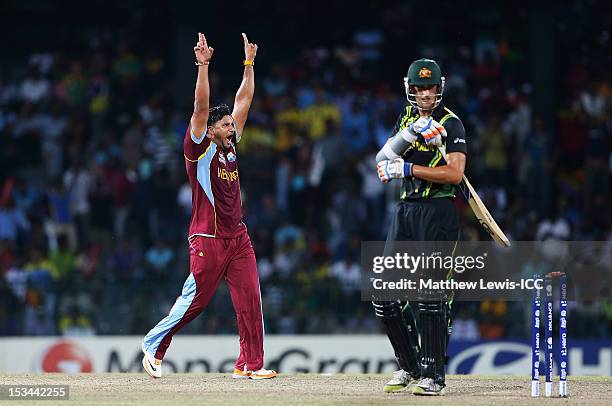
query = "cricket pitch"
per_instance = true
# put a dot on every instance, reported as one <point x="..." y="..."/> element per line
<point x="298" y="389"/>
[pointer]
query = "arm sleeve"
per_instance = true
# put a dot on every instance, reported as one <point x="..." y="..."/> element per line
<point x="193" y="148"/>
<point x="395" y="145"/>
<point x="455" y="141"/>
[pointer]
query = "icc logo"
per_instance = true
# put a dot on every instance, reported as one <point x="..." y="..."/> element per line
<point x="66" y="357"/>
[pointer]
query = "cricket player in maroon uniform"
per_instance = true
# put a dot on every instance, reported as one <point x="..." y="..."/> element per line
<point x="219" y="245"/>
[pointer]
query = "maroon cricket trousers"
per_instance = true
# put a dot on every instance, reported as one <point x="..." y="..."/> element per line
<point x="214" y="259"/>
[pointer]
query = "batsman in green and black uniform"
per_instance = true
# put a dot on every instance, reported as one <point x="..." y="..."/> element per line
<point x="426" y="212"/>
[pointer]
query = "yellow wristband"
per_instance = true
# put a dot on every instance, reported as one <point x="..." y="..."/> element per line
<point x="246" y="62"/>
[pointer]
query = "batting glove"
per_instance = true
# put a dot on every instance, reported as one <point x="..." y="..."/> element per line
<point x="422" y="124"/>
<point x="431" y="130"/>
<point x="433" y="135"/>
<point x="393" y="169"/>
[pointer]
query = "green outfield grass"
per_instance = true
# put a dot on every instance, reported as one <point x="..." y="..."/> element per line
<point x="301" y="389"/>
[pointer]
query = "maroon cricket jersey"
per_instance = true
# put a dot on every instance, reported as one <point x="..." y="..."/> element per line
<point x="213" y="176"/>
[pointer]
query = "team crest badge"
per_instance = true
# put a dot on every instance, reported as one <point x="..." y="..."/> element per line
<point x="424" y="73"/>
<point x="231" y="157"/>
<point x="222" y="158"/>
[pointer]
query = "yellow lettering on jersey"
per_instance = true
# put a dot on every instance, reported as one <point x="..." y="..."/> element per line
<point x="225" y="175"/>
<point x="421" y="146"/>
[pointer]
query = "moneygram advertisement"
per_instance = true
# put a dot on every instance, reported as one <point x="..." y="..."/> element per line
<point x="324" y="354"/>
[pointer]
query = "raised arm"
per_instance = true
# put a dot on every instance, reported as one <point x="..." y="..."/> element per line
<point x="244" y="96"/>
<point x="199" y="118"/>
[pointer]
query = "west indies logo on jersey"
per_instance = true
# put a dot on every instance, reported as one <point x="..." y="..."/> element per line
<point x="222" y="158"/>
<point x="231" y="156"/>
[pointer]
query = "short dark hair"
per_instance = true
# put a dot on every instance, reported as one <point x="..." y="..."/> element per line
<point x="217" y="113"/>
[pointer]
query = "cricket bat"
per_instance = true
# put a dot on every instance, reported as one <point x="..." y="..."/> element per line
<point x="480" y="210"/>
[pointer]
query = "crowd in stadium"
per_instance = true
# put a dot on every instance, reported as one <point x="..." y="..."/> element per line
<point x="94" y="204"/>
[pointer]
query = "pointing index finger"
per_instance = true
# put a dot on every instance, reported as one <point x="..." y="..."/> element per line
<point x="245" y="39"/>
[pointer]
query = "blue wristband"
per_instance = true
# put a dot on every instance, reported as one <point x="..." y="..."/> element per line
<point x="407" y="169"/>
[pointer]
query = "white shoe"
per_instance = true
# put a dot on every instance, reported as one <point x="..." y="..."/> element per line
<point x="263" y="374"/>
<point x="428" y="387"/>
<point x="400" y="382"/>
<point x="152" y="366"/>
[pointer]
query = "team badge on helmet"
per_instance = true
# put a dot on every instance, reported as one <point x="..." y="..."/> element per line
<point x="424" y="73"/>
